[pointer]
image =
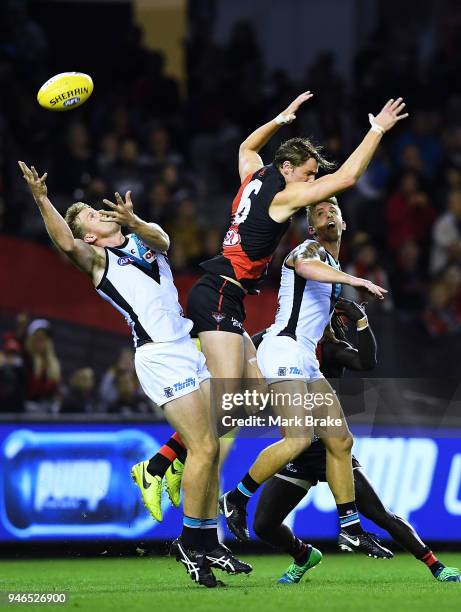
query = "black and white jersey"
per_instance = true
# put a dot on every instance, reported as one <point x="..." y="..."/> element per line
<point x="304" y="306"/>
<point x="138" y="282"/>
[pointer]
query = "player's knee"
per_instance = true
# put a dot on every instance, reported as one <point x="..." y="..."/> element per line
<point x="206" y="451"/>
<point x="340" y="445"/>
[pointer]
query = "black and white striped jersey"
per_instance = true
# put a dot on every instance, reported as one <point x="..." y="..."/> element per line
<point x="304" y="306"/>
<point x="138" y="282"/>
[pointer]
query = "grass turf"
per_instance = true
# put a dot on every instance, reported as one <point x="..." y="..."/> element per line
<point x="341" y="582"/>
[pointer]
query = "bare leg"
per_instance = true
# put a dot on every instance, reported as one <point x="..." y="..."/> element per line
<point x="190" y="417"/>
<point x="338" y="442"/>
<point x="297" y="437"/>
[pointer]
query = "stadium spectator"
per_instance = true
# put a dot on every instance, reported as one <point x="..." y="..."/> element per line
<point x="81" y="394"/>
<point x="159" y="203"/>
<point x="409" y="212"/>
<point x="43" y="370"/>
<point x="75" y="165"/>
<point x="366" y="265"/>
<point x="126" y="173"/>
<point x="184" y="230"/>
<point x="107" y="388"/>
<point x="408" y="281"/>
<point x="12" y="385"/>
<point x="160" y="150"/>
<point x="441" y="317"/>
<point x="446" y="235"/>
<point x="129" y="399"/>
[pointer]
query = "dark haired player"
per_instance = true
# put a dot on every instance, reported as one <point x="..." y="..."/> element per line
<point x="261" y="211"/>
<point x="283" y="492"/>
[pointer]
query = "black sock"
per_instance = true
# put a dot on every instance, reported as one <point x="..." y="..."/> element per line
<point x="209" y="531"/>
<point x="182" y="455"/>
<point x="161" y="461"/>
<point x="158" y="465"/>
<point x="432" y="562"/>
<point x="244" y="490"/>
<point x="192" y="534"/>
<point x="301" y="555"/>
<point x="349" y="518"/>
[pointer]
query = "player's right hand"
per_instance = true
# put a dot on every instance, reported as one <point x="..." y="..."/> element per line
<point x="390" y="114"/>
<point x="289" y="114"/>
<point x="374" y="290"/>
<point x="37" y="184"/>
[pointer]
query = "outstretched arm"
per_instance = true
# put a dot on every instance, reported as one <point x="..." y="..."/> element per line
<point x="297" y="195"/>
<point x="81" y="253"/>
<point x="249" y="159"/>
<point x="309" y="262"/>
<point x="122" y="213"/>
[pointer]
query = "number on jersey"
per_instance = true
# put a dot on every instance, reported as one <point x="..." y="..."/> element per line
<point x="244" y="206"/>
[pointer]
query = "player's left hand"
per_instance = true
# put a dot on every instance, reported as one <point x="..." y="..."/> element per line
<point x="121" y="212"/>
<point x="352" y="310"/>
<point x="289" y="114"/>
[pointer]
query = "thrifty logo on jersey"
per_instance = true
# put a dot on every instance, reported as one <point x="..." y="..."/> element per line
<point x="218" y="316"/>
<point x="125" y="261"/>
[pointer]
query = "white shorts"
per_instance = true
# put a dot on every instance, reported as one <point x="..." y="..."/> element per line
<point x="282" y="358"/>
<point x="168" y="370"/>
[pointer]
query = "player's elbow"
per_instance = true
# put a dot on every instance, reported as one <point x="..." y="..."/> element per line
<point x="346" y="180"/>
<point x="165" y="242"/>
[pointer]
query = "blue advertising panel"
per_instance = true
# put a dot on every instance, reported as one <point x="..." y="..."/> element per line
<point x="72" y="481"/>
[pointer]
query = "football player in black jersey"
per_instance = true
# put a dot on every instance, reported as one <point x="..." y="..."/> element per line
<point x="268" y="197"/>
<point x="283" y="492"/>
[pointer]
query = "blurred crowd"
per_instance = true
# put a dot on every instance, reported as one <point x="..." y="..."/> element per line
<point x="31" y="379"/>
<point x="175" y="146"/>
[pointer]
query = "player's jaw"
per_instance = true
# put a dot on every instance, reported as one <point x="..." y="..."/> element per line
<point x="328" y="224"/>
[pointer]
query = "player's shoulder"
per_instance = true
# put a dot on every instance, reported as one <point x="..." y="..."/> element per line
<point x="309" y="249"/>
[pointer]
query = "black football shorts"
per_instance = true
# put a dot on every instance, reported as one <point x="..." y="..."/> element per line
<point x="311" y="465"/>
<point x="216" y="304"/>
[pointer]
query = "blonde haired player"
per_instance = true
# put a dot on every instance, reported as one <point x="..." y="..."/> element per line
<point x="133" y="274"/>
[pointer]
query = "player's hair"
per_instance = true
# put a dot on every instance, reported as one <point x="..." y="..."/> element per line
<point x="72" y="221"/>
<point x="310" y="209"/>
<point x="298" y="150"/>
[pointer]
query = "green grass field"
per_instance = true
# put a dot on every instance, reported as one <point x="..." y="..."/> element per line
<point x="341" y="582"/>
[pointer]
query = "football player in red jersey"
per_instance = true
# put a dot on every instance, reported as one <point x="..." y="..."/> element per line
<point x="267" y="198"/>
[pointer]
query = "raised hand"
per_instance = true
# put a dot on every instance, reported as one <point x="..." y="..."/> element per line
<point x="37" y="184"/>
<point x="121" y="212"/>
<point x="289" y="114"/>
<point x="374" y="290"/>
<point x="390" y="114"/>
